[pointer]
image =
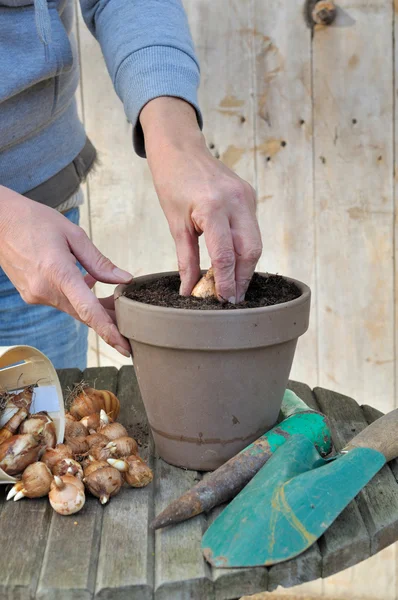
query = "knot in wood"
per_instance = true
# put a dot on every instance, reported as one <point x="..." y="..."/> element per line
<point x="324" y="12"/>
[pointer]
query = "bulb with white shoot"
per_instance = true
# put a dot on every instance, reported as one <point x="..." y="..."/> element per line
<point x="35" y="483"/>
<point x="67" y="494"/>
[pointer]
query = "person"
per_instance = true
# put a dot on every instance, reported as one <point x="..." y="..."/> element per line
<point x="48" y="264"/>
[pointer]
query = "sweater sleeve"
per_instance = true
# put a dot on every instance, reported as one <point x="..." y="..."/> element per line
<point x="148" y="51"/>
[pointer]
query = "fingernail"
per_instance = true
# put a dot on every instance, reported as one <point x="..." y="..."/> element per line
<point x="122" y="351"/>
<point x="232" y="300"/>
<point x="123" y="275"/>
<point x="241" y="298"/>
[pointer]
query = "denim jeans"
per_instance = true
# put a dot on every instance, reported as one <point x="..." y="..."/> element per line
<point x="56" y="334"/>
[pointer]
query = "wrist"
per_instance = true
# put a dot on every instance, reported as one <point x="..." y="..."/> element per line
<point x="8" y="200"/>
<point x="170" y="124"/>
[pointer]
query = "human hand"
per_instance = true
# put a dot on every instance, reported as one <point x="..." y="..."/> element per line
<point x="38" y="252"/>
<point x="198" y="195"/>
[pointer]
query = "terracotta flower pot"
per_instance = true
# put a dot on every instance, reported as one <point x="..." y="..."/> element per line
<point x="211" y="381"/>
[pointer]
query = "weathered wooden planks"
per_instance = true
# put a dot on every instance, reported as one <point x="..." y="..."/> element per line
<point x="23" y="529"/>
<point x="75" y="537"/>
<point x="307" y="567"/>
<point x="353" y="158"/>
<point x="378" y="501"/>
<point x="125" y="564"/>
<point x="110" y="554"/>
<point x="304" y="392"/>
<point x="180" y="570"/>
<point x="233" y="583"/>
<point x="371" y="414"/>
<point x="283" y="124"/>
<point x="347" y="539"/>
<point x="67" y="379"/>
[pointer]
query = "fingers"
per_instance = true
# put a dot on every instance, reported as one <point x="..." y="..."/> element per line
<point x="90" y="280"/>
<point x="248" y="247"/>
<point x="187" y="247"/>
<point x="219" y="242"/>
<point x="108" y="302"/>
<point x="90" y="310"/>
<point x="95" y="263"/>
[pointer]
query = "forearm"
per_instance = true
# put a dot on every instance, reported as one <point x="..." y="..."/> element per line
<point x="148" y="50"/>
<point x="11" y="204"/>
<point x="170" y="123"/>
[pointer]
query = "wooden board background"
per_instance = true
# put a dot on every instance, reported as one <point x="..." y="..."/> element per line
<point x="326" y="198"/>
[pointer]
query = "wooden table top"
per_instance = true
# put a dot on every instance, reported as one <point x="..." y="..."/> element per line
<point x="110" y="553"/>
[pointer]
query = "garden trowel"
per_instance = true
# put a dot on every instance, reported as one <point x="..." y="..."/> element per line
<point x="296" y="496"/>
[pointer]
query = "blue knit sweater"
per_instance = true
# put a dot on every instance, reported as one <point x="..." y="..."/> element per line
<point x="148" y="52"/>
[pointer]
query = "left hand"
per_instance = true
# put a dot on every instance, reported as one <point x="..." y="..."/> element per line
<point x="198" y="195"/>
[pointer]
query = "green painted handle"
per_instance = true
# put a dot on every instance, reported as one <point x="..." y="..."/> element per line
<point x="381" y="435"/>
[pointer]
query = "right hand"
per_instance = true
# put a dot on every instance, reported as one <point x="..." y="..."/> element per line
<point x="38" y="252"/>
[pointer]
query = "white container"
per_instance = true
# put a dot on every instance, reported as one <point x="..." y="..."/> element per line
<point x="21" y="366"/>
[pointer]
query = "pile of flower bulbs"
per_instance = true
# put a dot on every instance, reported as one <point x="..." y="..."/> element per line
<point x="97" y="454"/>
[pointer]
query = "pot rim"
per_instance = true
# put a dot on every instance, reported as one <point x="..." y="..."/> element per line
<point x="120" y="289"/>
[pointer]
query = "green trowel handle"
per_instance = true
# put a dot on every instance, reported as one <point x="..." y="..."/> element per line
<point x="381" y="435"/>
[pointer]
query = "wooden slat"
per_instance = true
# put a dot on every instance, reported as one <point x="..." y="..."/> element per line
<point x="76" y="537"/>
<point x="233" y="583"/>
<point x="347" y="540"/>
<point x="353" y="157"/>
<point x="283" y="151"/>
<point x="348" y="532"/>
<point x="180" y="569"/>
<point x="125" y="565"/>
<point x="345" y="543"/>
<point x="304" y="392"/>
<point x="24" y="526"/>
<point x="67" y="379"/>
<point x="371" y="414"/>
<point x="305" y="568"/>
<point x="378" y="501"/>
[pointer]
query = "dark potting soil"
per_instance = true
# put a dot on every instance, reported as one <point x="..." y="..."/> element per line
<point x="263" y="291"/>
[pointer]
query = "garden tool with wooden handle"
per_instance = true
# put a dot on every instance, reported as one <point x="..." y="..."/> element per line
<point x="296" y="496"/>
<point x="228" y="480"/>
